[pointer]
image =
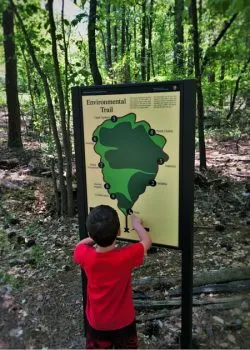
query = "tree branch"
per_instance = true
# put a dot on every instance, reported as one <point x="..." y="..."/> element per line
<point x="227" y="25"/>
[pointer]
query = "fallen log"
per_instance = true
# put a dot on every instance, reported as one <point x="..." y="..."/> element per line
<point x="201" y="278"/>
<point x="230" y="287"/>
<point x="170" y="312"/>
<point x="156" y="304"/>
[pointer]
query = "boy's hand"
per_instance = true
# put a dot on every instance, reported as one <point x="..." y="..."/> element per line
<point x="136" y="221"/>
<point x="142" y="233"/>
<point x="87" y="241"/>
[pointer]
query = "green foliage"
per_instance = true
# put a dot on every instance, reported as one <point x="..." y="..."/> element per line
<point x="36" y="253"/>
<point x="32" y="228"/>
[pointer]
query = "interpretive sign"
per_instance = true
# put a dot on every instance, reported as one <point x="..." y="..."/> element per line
<point x="135" y="152"/>
<point x="131" y="143"/>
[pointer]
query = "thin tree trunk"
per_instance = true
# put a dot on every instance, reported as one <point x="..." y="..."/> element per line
<point x="149" y="48"/>
<point x="225" y="28"/>
<point x="236" y="89"/>
<point x="127" y="77"/>
<point x="50" y="106"/>
<point x="92" y="43"/>
<point x="69" y="177"/>
<point x="143" y="41"/>
<point x="29" y="79"/>
<point x="14" y="115"/>
<point x="108" y="29"/>
<point x="178" y="63"/>
<point x="150" y="37"/>
<point x="190" y="54"/>
<point x="200" y="103"/>
<point x="200" y="11"/>
<point x="60" y="95"/>
<point x="123" y="30"/>
<point x="135" y="36"/>
<point x="115" y="35"/>
<point x="221" y="88"/>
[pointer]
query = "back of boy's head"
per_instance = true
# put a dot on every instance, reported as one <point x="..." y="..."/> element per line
<point x="103" y="225"/>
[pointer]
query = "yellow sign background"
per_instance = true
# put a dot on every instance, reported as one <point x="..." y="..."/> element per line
<point x="158" y="206"/>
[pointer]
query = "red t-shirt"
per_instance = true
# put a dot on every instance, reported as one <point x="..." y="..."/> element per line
<point x="109" y="289"/>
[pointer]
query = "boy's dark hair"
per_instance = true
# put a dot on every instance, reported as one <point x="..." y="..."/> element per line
<point x="103" y="225"/>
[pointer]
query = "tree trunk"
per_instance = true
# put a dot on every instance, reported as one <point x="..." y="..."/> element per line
<point x="225" y="28"/>
<point x="236" y="89"/>
<point x="149" y="48"/>
<point x="108" y="29"/>
<point x="29" y="80"/>
<point x="123" y="30"/>
<point x="200" y="103"/>
<point x="51" y="114"/>
<point x="143" y="41"/>
<point x="178" y="64"/>
<point x="14" y="116"/>
<point x="92" y="43"/>
<point x="127" y="76"/>
<point x="190" y="53"/>
<point x="69" y="177"/>
<point x="159" y="304"/>
<point x="200" y="11"/>
<point x="221" y="87"/>
<point x="200" y="278"/>
<point x="60" y="95"/>
<point x="135" y="35"/>
<point x="115" y="35"/>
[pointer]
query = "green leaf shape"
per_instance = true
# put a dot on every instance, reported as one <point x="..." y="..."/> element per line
<point x="130" y="153"/>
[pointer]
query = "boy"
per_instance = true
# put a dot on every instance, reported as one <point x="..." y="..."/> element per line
<point x="110" y="311"/>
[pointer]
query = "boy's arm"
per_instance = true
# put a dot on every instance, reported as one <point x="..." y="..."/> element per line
<point x="144" y="236"/>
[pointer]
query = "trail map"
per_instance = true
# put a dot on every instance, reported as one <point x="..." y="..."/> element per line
<point x="131" y="144"/>
<point x="126" y="177"/>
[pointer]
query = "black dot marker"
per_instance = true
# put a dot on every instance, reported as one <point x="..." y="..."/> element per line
<point x="114" y="118"/>
<point x="129" y="211"/>
<point x="94" y="138"/>
<point x="113" y="196"/>
<point x="107" y="186"/>
<point x="160" y="161"/>
<point x="152" y="183"/>
<point x="101" y="165"/>
<point x="151" y="132"/>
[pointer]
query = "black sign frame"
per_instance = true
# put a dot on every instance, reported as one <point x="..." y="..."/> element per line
<point x="187" y="90"/>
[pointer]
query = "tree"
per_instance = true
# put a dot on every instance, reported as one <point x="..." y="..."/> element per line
<point x="236" y="89"/>
<point x="200" y="104"/>
<point x="92" y="43"/>
<point x="50" y="107"/>
<point x="14" y="116"/>
<point x="150" y="60"/>
<point x="108" y="29"/>
<point x="178" y="63"/>
<point x="61" y="99"/>
<point x="143" y="41"/>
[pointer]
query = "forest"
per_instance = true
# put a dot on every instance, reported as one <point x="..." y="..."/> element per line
<point x="49" y="47"/>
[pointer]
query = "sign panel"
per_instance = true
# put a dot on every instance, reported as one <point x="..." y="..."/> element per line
<point x="132" y="159"/>
<point x="135" y="152"/>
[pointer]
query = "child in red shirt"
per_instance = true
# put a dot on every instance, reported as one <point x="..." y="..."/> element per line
<point x="110" y="311"/>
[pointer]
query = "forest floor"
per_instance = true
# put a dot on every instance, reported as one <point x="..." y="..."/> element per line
<point x="40" y="286"/>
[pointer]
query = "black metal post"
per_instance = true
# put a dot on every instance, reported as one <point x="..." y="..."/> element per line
<point x="187" y="193"/>
<point x="81" y="180"/>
